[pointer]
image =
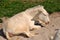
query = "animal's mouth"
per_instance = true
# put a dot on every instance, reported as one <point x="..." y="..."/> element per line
<point x="38" y="24"/>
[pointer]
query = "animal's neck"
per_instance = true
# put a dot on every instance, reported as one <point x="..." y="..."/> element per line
<point x="32" y="12"/>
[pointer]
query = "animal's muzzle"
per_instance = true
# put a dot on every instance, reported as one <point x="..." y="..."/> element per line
<point x="47" y="23"/>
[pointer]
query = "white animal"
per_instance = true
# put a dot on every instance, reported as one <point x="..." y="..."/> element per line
<point x="22" y="22"/>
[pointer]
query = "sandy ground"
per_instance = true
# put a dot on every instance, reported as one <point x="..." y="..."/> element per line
<point x="45" y="33"/>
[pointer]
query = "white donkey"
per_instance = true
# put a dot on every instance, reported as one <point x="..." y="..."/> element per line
<point x="22" y="22"/>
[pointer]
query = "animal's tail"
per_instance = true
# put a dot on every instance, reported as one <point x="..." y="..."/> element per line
<point x="3" y="22"/>
<point x="4" y="18"/>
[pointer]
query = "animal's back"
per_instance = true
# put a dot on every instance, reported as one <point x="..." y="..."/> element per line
<point x="17" y="24"/>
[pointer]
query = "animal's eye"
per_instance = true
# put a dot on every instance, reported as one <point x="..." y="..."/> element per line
<point x="44" y="15"/>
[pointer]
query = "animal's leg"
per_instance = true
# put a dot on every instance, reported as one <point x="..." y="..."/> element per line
<point x="7" y="35"/>
<point x="36" y="27"/>
<point x="29" y="34"/>
<point x="32" y="26"/>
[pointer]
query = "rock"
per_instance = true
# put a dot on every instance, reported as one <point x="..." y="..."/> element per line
<point x="57" y="35"/>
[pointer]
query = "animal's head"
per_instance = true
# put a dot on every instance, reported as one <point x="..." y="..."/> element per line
<point x="43" y="16"/>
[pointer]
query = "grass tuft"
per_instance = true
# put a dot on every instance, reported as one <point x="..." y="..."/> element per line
<point x="11" y="7"/>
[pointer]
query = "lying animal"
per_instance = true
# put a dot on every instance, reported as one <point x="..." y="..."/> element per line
<point x="24" y="21"/>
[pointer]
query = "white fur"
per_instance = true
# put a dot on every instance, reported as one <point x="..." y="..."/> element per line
<point x="22" y="22"/>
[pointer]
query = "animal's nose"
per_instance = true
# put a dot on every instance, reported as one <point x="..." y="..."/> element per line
<point x="47" y="23"/>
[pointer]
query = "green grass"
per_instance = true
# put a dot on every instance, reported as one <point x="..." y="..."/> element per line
<point x="10" y="7"/>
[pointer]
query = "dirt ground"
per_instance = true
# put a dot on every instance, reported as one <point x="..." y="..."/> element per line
<point x="45" y="33"/>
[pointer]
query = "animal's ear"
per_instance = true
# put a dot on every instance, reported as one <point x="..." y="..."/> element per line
<point x="41" y="6"/>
